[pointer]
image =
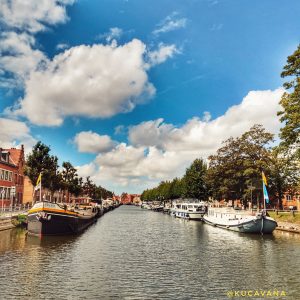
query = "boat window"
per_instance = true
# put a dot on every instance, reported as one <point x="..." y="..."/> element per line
<point x="38" y="205"/>
<point x="190" y="206"/>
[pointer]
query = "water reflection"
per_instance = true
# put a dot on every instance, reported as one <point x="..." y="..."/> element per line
<point x="136" y="254"/>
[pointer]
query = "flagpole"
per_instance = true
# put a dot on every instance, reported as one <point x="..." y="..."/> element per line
<point x="264" y="196"/>
<point x="41" y="190"/>
<point x="2" y="198"/>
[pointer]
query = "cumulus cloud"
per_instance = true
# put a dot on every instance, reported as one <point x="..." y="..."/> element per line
<point x="20" y="20"/>
<point x="17" y="55"/>
<point x="162" y="54"/>
<point x="91" y="142"/>
<point x="96" y="81"/>
<point x="150" y="133"/>
<point x="170" y="23"/>
<point x="160" y="151"/>
<point x="205" y="135"/>
<point x="14" y="133"/>
<point x="92" y="81"/>
<point x="33" y="16"/>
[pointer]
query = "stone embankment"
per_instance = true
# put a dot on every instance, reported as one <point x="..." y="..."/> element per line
<point x="290" y="227"/>
<point x="6" y="223"/>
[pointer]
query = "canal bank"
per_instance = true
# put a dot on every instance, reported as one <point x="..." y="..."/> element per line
<point x="132" y="253"/>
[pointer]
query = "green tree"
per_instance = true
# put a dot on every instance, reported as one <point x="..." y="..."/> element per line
<point x="70" y="179"/>
<point x="177" y="188"/>
<point x="238" y="164"/>
<point x="40" y="161"/>
<point x="195" y="180"/>
<point x="290" y="102"/>
<point x="284" y="175"/>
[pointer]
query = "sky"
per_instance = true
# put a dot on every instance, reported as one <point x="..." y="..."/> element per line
<point x="131" y="92"/>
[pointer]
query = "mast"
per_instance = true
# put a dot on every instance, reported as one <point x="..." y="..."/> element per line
<point x="41" y="188"/>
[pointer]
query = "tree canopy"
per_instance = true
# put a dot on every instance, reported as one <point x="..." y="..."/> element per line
<point x="290" y="102"/>
<point x="40" y="161"/>
<point x="67" y="179"/>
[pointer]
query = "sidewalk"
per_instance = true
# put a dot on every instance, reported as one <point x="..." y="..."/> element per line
<point x="290" y="227"/>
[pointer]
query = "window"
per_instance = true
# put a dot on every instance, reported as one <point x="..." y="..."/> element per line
<point x="4" y="156"/>
<point x="2" y="174"/>
<point x="10" y="176"/>
<point x="288" y="198"/>
<point x="6" y="175"/>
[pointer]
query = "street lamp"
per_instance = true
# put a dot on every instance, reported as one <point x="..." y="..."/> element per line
<point x="251" y="188"/>
<point x="12" y="195"/>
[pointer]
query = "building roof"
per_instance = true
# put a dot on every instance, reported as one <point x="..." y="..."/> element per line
<point x="16" y="155"/>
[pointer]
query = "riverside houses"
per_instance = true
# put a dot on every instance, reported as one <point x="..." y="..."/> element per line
<point x="11" y="176"/>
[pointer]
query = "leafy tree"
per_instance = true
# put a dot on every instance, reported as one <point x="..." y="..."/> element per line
<point x="195" y="180"/>
<point x="70" y="180"/>
<point x="238" y="165"/>
<point x="290" y="102"/>
<point x="284" y="174"/>
<point x="177" y="188"/>
<point x="40" y="161"/>
<point x="89" y="187"/>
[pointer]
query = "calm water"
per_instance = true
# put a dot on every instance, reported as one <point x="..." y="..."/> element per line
<point x="132" y="253"/>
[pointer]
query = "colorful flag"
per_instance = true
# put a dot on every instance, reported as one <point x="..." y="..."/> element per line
<point x="38" y="183"/>
<point x="37" y="187"/>
<point x="266" y="196"/>
<point x="264" y="178"/>
<point x="39" y="179"/>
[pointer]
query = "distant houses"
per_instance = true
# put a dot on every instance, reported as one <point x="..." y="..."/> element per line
<point x="16" y="188"/>
<point x="127" y="199"/>
<point x="11" y="176"/>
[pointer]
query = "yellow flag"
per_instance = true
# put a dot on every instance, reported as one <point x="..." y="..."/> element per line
<point x="264" y="178"/>
<point x="39" y="179"/>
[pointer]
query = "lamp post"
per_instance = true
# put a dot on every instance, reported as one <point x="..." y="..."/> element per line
<point x="12" y="195"/>
<point x="2" y="196"/>
<point x="252" y="188"/>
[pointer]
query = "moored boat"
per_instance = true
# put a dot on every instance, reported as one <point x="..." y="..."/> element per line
<point x="188" y="210"/>
<point x="240" y="221"/>
<point x="47" y="218"/>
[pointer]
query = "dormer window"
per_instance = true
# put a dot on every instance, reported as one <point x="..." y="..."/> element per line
<point x="5" y="156"/>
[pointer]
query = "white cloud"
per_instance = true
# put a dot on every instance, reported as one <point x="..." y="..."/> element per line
<point x="162" y="54"/>
<point x="120" y="129"/>
<point x="62" y="46"/>
<point x="92" y="81"/>
<point x="33" y="15"/>
<point x="17" y="55"/>
<point x="170" y="23"/>
<point x="205" y="135"/>
<point x="14" y="133"/>
<point x="150" y="133"/>
<point x="91" y="142"/>
<point x="20" y="20"/>
<point x="114" y="33"/>
<point x="160" y="151"/>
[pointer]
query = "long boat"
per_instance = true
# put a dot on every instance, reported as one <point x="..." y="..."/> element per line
<point x="240" y="221"/>
<point x="192" y="210"/>
<point x="243" y="221"/>
<point x="48" y="218"/>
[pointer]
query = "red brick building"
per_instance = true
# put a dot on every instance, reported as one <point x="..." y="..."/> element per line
<point x="11" y="176"/>
<point x="290" y="201"/>
<point x="130" y="198"/>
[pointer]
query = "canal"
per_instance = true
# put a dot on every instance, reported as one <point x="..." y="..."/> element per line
<point x="132" y="253"/>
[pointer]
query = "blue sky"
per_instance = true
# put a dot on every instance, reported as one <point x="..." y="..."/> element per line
<point x="132" y="91"/>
